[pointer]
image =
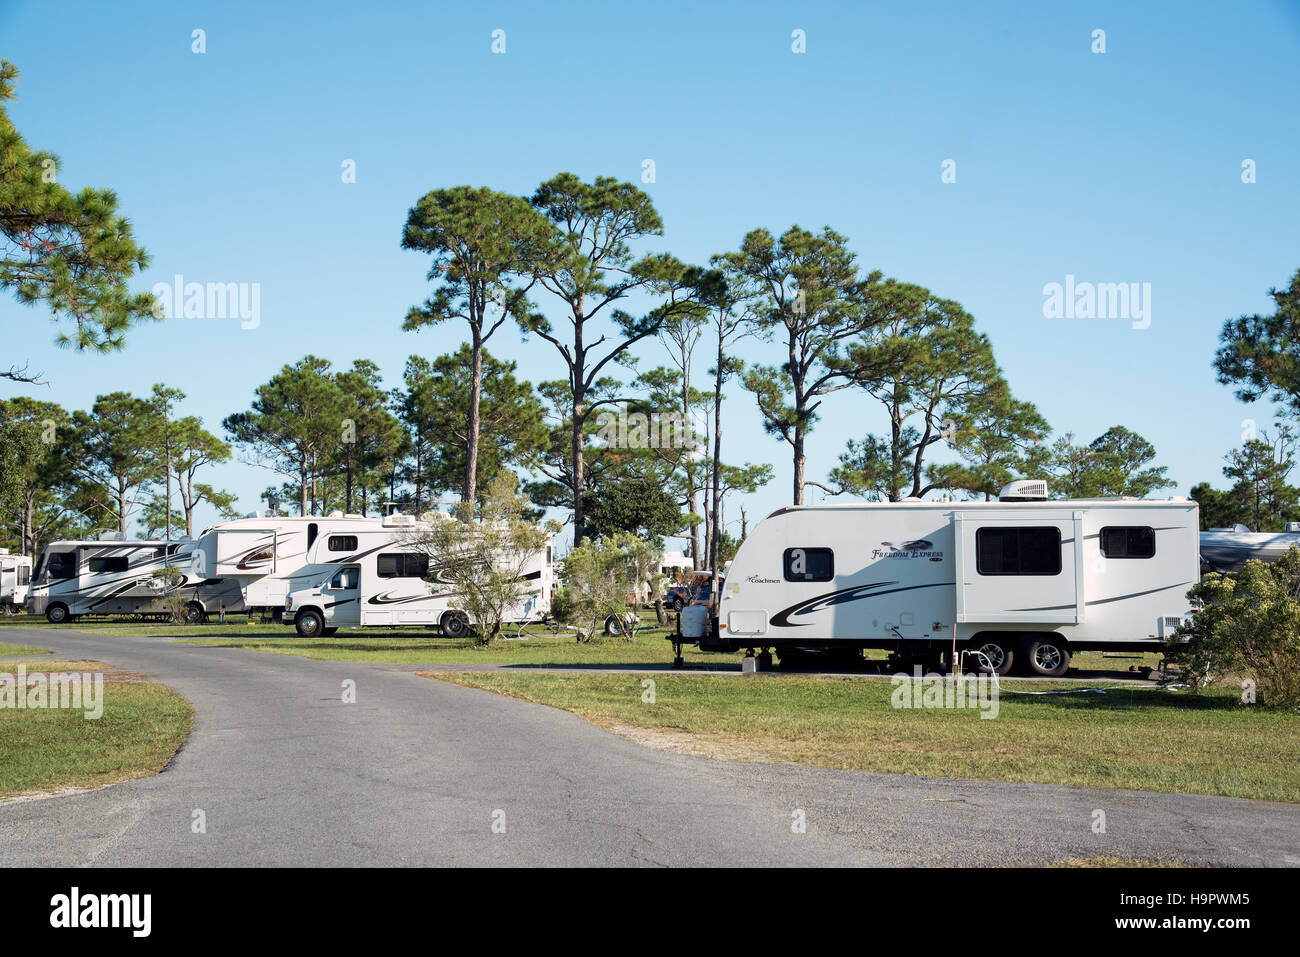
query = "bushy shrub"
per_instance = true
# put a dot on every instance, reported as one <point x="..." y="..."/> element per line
<point x="1247" y="626"/>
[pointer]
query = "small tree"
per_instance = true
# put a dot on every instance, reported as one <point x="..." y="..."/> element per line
<point x="168" y="581"/>
<point x="481" y="563"/>
<point x="1247" y="626"/>
<point x="601" y="573"/>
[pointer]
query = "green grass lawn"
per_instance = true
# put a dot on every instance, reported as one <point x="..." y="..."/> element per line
<point x="1131" y="737"/>
<point x="406" y="646"/>
<point x="543" y="646"/>
<point x="8" y="649"/>
<point x="142" y="726"/>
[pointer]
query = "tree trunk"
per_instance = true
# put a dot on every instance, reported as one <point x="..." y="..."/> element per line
<point x="800" y="461"/>
<point x="472" y="426"/>
<point x="715" y="530"/>
<point x="302" y="486"/>
<point x="579" y="517"/>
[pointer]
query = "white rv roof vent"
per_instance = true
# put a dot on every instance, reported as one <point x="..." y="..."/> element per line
<point x="1025" y="490"/>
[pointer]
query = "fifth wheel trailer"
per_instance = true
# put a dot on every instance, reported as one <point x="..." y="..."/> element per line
<point x="1022" y="580"/>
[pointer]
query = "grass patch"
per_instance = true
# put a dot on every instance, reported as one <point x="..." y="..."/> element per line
<point x="8" y="649"/>
<point x="142" y="726"/>
<point x="1131" y="737"/>
<point x="541" y="647"/>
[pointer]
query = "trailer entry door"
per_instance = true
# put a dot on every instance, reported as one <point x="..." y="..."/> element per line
<point x="1025" y="568"/>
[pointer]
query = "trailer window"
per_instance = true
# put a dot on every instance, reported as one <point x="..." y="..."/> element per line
<point x="1018" y="551"/>
<point x="117" y="563"/>
<point x="809" y="564"/>
<point x="63" y="565"/>
<point x="401" y="564"/>
<point x="342" y="543"/>
<point x="24" y="574"/>
<point x="312" y="530"/>
<point x="1128" y="541"/>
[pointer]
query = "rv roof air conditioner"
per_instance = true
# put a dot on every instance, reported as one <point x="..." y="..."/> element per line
<point x="398" y="520"/>
<point x="1025" y="490"/>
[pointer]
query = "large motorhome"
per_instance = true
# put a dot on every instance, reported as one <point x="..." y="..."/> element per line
<point x="15" y="577"/>
<point x="270" y="556"/>
<point x="1022" y="580"/>
<point x="1227" y="549"/>
<point x="115" y="576"/>
<point x="379" y="578"/>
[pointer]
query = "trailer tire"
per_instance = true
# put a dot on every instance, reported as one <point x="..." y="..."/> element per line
<point x="613" y="626"/>
<point x="454" y="624"/>
<point x="1001" y="654"/>
<point x="309" y="623"/>
<point x="1048" y="656"/>
<point x="194" y="614"/>
<point x="57" y="614"/>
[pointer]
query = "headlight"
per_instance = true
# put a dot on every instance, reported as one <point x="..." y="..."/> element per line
<point x="288" y="603"/>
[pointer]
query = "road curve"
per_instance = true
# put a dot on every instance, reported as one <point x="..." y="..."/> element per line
<point x="417" y="772"/>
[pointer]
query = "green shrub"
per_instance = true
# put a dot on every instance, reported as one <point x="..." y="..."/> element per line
<point x="1247" y="626"/>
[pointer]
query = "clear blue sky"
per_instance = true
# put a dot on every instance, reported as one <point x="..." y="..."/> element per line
<point x="1115" y="167"/>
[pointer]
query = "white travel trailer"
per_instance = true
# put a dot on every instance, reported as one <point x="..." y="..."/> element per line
<point x="113" y="576"/>
<point x="1023" y="579"/>
<point x="379" y="578"/>
<point x="273" y="555"/>
<point x="15" y="577"/>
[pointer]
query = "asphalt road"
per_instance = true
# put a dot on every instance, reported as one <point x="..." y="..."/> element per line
<point x="417" y="772"/>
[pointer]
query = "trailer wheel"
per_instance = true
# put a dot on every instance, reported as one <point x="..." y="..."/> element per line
<point x="57" y="613"/>
<point x="195" y="614"/>
<point x="613" y="626"/>
<point x="454" y="624"/>
<point x="1000" y="655"/>
<point x="1048" y="657"/>
<point x="309" y="623"/>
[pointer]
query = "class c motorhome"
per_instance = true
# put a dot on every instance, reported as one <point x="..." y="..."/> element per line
<point x="381" y="578"/>
<point x="115" y="576"/>
<point x="270" y="556"/>
<point x="1025" y="581"/>
<point x="15" y="577"/>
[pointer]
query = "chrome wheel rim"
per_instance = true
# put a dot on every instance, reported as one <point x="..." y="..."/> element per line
<point x="1047" y="657"/>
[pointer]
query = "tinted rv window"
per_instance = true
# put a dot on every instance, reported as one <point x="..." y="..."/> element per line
<point x="63" y="565"/>
<point x="342" y="543"/>
<point x="312" y="529"/>
<point x="809" y="564"/>
<point x="401" y="564"/>
<point x="1018" y="551"/>
<point x="1128" y="541"/>
<point x="99" y="566"/>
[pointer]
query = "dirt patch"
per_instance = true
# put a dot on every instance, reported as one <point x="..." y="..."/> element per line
<point x="685" y="742"/>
